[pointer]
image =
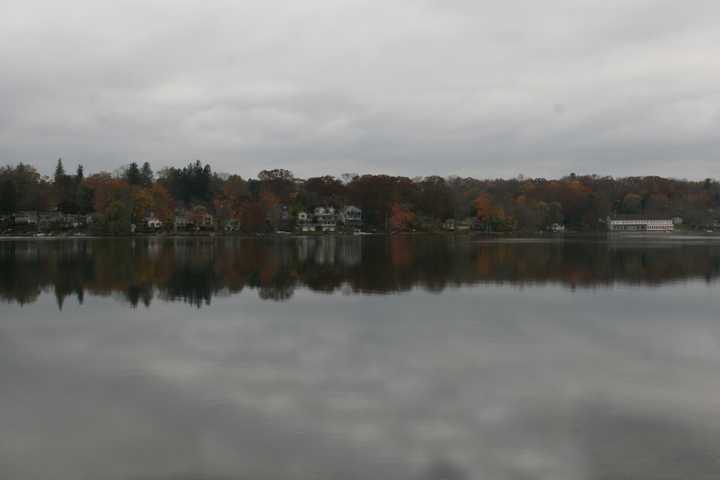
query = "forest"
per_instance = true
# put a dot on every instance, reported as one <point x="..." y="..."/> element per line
<point x="132" y="193"/>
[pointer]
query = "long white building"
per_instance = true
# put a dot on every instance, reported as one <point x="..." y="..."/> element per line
<point x="629" y="223"/>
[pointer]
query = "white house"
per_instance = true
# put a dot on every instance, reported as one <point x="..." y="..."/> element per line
<point x="325" y="219"/>
<point x="26" y="218"/>
<point x="182" y="219"/>
<point x="203" y="219"/>
<point x="351" y="216"/>
<point x="232" y="225"/>
<point x="303" y="217"/>
<point x="449" y="224"/>
<point x="45" y="219"/>
<point x="74" y="220"/>
<point x="153" y="222"/>
<point x="304" y="222"/>
<point x="632" y="223"/>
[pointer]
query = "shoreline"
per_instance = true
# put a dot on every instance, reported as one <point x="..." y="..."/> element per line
<point x="468" y="234"/>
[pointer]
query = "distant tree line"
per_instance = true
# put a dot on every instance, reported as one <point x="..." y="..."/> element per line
<point x="396" y="203"/>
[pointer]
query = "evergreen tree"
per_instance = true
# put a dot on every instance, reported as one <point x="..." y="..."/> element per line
<point x="85" y="199"/>
<point x="79" y="175"/>
<point x="8" y="197"/>
<point x="65" y="190"/>
<point x="59" y="171"/>
<point x="133" y="175"/>
<point x="146" y="174"/>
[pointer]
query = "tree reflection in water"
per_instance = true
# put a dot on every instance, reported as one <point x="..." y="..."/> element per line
<point x="194" y="270"/>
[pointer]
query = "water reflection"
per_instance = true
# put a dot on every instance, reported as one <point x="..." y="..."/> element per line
<point x="194" y="270"/>
<point x="492" y="382"/>
<point x="551" y="381"/>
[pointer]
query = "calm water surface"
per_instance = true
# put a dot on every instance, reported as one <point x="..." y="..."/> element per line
<point x="419" y="358"/>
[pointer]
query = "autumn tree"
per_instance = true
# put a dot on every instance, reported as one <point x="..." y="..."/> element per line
<point x="163" y="205"/>
<point x="279" y="182"/>
<point x="235" y="190"/>
<point x="375" y="195"/>
<point x="270" y="204"/>
<point x="632" y="203"/>
<point x="114" y="203"/>
<point x="401" y="218"/>
<point x="252" y="216"/>
<point x="434" y="198"/>
<point x="484" y="207"/>
<point x="142" y="205"/>
<point x="116" y="218"/>
<point x="32" y="192"/>
<point x="326" y="190"/>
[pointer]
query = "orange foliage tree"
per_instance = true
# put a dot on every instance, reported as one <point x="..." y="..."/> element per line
<point x="108" y="190"/>
<point x="400" y="218"/>
<point x="483" y="206"/>
<point x="163" y="204"/>
<point x="142" y="204"/>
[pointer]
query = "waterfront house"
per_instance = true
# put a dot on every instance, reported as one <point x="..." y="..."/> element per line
<point x="48" y="219"/>
<point x="283" y="222"/>
<point x="208" y="220"/>
<point x="453" y="225"/>
<point x="202" y="219"/>
<point x="463" y="225"/>
<point x="351" y="216"/>
<point x="637" y="223"/>
<point x="232" y="225"/>
<point x="304" y="222"/>
<point x="26" y="218"/>
<point x="325" y="219"/>
<point x="182" y="220"/>
<point x="153" y="222"/>
<point x="73" y="220"/>
<point x="198" y="218"/>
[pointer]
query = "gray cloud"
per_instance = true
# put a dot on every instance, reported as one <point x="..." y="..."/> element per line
<point x="494" y="382"/>
<point x="451" y="87"/>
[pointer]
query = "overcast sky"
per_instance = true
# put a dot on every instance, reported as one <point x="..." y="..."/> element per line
<point x="466" y="87"/>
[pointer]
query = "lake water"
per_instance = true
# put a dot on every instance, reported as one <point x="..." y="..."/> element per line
<point x="418" y="358"/>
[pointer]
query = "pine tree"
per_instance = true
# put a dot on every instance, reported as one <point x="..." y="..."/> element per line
<point x="146" y="174"/>
<point x="8" y="197"/>
<point x="59" y="171"/>
<point x="132" y="174"/>
<point x="79" y="175"/>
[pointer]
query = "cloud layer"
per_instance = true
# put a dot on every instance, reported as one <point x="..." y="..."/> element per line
<point x="539" y="383"/>
<point x="406" y="87"/>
